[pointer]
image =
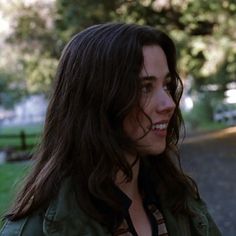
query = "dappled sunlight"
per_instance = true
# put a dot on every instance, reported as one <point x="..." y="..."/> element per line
<point x="230" y="96"/>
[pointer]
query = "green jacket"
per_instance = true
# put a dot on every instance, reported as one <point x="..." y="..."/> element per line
<point x="63" y="217"/>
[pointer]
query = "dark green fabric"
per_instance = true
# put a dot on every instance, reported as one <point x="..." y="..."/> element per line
<point x="64" y="218"/>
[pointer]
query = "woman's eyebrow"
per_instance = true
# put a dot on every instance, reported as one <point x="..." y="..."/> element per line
<point x="153" y="77"/>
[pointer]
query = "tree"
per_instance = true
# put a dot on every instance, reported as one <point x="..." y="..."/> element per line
<point x="34" y="45"/>
<point x="204" y="31"/>
<point x="10" y="90"/>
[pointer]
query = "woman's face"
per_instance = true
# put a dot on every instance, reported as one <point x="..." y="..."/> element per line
<point x="156" y="102"/>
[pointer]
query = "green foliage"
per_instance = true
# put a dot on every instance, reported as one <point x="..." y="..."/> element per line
<point x="33" y="29"/>
<point x="41" y="71"/>
<point x="36" y="52"/>
<point x="73" y="16"/>
<point x="204" y="31"/>
<point x="10" y="90"/>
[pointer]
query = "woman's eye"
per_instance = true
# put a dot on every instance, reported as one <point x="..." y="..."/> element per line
<point x="167" y="87"/>
<point x="146" y="88"/>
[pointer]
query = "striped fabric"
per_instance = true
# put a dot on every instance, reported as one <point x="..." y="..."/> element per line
<point x="162" y="231"/>
<point x="124" y="230"/>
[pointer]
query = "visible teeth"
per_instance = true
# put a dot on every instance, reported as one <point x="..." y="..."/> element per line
<point x="160" y="126"/>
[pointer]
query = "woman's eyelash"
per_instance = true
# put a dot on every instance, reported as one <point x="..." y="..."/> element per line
<point x="148" y="87"/>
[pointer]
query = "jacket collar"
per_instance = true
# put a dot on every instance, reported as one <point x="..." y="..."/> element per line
<point x="64" y="208"/>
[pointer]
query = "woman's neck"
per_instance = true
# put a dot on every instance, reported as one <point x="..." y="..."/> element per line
<point x="136" y="210"/>
<point x="129" y="188"/>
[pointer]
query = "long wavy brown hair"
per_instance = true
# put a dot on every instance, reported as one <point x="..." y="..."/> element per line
<point x="96" y="86"/>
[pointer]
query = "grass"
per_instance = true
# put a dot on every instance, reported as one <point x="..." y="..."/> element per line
<point x="29" y="129"/>
<point x="15" y="130"/>
<point x="205" y="127"/>
<point x="10" y="176"/>
<point x="212" y="126"/>
<point x="196" y="122"/>
<point x="12" y="173"/>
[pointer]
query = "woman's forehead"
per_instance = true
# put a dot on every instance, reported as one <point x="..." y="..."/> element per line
<point x="154" y="62"/>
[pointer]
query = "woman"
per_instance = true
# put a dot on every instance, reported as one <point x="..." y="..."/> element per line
<point x="106" y="163"/>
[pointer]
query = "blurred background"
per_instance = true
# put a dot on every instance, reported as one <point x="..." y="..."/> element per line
<point x="32" y="36"/>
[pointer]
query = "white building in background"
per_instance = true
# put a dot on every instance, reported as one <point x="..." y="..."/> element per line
<point x="30" y="110"/>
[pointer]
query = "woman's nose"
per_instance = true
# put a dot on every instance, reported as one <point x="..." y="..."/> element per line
<point x="164" y="102"/>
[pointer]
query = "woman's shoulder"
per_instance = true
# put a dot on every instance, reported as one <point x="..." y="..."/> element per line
<point x="200" y="223"/>
<point x="31" y="225"/>
<point x="203" y="221"/>
<point x="62" y="217"/>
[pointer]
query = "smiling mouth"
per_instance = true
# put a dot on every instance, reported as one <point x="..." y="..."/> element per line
<point x="160" y="126"/>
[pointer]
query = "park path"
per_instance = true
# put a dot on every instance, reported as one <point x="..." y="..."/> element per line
<point x="211" y="160"/>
